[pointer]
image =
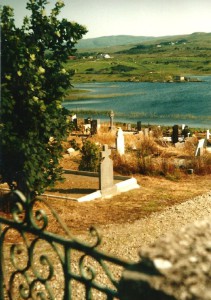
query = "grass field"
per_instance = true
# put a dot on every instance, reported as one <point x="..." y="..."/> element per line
<point x="157" y="60"/>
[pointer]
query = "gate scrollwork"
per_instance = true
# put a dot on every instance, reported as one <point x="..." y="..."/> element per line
<point x="39" y="264"/>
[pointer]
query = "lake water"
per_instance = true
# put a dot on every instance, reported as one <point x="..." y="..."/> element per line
<point x="152" y="103"/>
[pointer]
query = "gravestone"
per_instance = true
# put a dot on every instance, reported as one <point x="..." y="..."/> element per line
<point x="146" y="131"/>
<point x="129" y="127"/>
<point x="86" y="128"/>
<point x="175" y="134"/>
<point x="200" y="147"/>
<point x="139" y="126"/>
<point x="208" y="134"/>
<point x="87" y="121"/>
<point x="106" y="176"/>
<point x="74" y="121"/>
<point x="186" y="131"/>
<point x="95" y="125"/>
<point x="73" y="117"/>
<point x="120" y="142"/>
<point x="98" y="124"/>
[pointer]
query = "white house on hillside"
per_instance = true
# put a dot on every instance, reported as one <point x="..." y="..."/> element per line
<point x="106" y="56"/>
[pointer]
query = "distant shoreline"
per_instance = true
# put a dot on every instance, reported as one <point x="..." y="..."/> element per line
<point x="157" y="103"/>
<point x="81" y="94"/>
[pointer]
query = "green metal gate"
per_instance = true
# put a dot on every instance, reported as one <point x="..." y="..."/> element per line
<point x="38" y="264"/>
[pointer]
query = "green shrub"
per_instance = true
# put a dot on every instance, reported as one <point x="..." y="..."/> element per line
<point x="90" y="157"/>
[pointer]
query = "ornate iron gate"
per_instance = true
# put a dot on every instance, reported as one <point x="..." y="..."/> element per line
<point x="38" y="264"/>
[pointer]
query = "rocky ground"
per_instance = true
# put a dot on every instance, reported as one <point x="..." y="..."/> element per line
<point x="126" y="240"/>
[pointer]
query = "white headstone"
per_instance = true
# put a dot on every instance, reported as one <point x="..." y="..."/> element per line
<point x="208" y="134"/>
<point x="73" y="117"/>
<point x="129" y="127"/>
<point x="120" y="142"/>
<point x="146" y="131"/>
<point x="86" y="128"/>
<point x="200" y="147"/>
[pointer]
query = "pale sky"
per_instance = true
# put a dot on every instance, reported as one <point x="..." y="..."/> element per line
<point x="132" y="17"/>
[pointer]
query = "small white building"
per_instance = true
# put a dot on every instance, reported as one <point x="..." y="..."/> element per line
<point x="106" y="56"/>
<point x="179" y="78"/>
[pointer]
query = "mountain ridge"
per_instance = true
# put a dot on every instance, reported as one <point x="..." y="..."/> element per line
<point x="111" y="40"/>
<point x="124" y="40"/>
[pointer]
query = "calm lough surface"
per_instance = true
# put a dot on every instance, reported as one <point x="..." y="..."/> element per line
<point x="154" y="103"/>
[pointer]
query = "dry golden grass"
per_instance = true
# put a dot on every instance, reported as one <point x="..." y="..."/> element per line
<point x="155" y="194"/>
<point x="156" y="167"/>
<point x="149" y="155"/>
<point x="153" y="164"/>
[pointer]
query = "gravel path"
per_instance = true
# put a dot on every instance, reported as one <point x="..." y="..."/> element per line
<point x="126" y="240"/>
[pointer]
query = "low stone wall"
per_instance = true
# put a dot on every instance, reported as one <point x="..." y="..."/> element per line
<point x="177" y="266"/>
<point x="93" y="174"/>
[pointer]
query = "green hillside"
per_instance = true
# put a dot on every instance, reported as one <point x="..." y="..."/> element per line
<point x="108" y="41"/>
<point x="160" y="59"/>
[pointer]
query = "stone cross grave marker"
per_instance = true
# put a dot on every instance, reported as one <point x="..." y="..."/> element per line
<point x="111" y="115"/>
<point x="200" y="147"/>
<point x="120" y="142"/>
<point x="106" y="182"/>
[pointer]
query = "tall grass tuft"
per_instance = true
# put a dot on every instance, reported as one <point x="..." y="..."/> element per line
<point x="147" y="155"/>
<point x="126" y="164"/>
<point x="201" y="165"/>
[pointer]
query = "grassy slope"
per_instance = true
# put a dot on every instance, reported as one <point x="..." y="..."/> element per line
<point x="109" y="41"/>
<point x="178" y="55"/>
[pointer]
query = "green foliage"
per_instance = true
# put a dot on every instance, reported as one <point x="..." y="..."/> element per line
<point x="90" y="157"/>
<point x="122" y="68"/>
<point x="34" y="82"/>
